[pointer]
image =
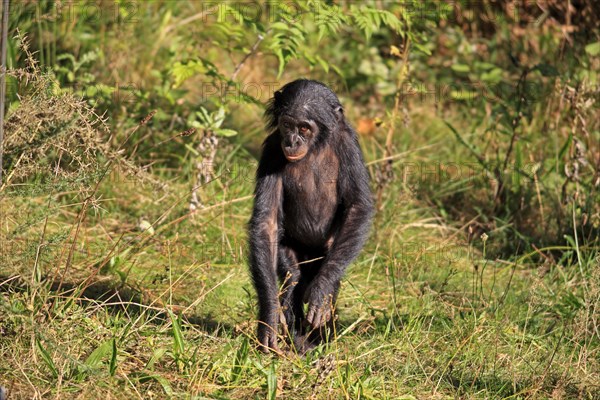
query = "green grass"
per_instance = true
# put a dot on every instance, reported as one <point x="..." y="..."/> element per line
<point x="116" y="291"/>
<point x="423" y="313"/>
<point x="455" y="296"/>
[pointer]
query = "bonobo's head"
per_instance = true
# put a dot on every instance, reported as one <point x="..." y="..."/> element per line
<point x="304" y="112"/>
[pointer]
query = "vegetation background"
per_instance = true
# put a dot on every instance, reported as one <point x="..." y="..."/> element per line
<point x="131" y="137"/>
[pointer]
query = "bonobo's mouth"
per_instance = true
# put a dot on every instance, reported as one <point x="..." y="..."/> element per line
<point x="294" y="155"/>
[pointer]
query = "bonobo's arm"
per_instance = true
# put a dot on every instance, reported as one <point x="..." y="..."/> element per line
<point x="353" y="186"/>
<point x="263" y="240"/>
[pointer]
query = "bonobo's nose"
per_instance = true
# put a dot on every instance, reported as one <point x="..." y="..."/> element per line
<point x="291" y="140"/>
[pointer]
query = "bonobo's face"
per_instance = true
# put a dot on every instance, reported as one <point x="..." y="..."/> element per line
<point x="297" y="136"/>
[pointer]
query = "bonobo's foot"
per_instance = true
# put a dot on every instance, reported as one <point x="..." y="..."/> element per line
<point x="313" y="337"/>
<point x="303" y="344"/>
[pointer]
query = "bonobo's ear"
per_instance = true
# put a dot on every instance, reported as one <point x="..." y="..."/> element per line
<point x="339" y="113"/>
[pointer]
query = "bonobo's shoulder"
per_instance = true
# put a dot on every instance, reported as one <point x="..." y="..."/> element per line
<point x="347" y="140"/>
<point x="271" y="142"/>
<point x="352" y="161"/>
<point x="272" y="158"/>
<point x="272" y="146"/>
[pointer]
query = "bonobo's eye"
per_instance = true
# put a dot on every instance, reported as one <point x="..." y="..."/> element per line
<point x="304" y="129"/>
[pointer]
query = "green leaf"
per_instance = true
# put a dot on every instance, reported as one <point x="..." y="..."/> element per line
<point x="112" y="366"/>
<point x="422" y="48"/>
<point x="593" y="49"/>
<point x="181" y="72"/>
<point x="164" y="383"/>
<point x="143" y="377"/>
<point x="103" y="350"/>
<point x="218" y="118"/>
<point x="156" y="355"/>
<point x="279" y="25"/>
<point x="191" y="149"/>
<point x="225" y="132"/>
<point x="563" y="150"/>
<point x="323" y="64"/>
<point x="484" y="66"/>
<point x="166" y="19"/>
<point x="463" y="94"/>
<point x="474" y="151"/>
<point x="462" y="68"/>
<point x="203" y="116"/>
<point x="66" y="56"/>
<point x="566" y="146"/>
<point x="518" y="166"/>
<point x="493" y="76"/>
<point x="178" y="342"/>
<point x="241" y="358"/>
<point x="281" y="59"/>
<point x="46" y="357"/>
<point x="571" y="241"/>
<point x="272" y="382"/>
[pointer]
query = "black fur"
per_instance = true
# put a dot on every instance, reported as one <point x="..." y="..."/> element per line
<point x="310" y="218"/>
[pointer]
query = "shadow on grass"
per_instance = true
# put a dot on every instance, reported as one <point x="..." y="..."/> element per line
<point x="114" y="298"/>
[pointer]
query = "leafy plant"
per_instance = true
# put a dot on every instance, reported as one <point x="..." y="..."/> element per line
<point x="211" y="122"/>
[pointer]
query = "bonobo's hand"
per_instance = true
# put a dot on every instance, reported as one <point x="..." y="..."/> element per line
<point x="319" y="296"/>
<point x="267" y="337"/>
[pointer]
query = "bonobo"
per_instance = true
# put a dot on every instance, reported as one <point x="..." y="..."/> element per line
<point x="311" y="216"/>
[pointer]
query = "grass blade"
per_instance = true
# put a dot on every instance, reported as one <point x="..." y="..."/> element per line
<point x="98" y="354"/>
<point x="46" y="357"/>
<point x="112" y="367"/>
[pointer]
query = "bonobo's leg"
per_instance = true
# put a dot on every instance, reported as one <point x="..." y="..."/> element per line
<point x="289" y="275"/>
<point x="263" y="241"/>
<point x="291" y="297"/>
<point x="307" y="337"/>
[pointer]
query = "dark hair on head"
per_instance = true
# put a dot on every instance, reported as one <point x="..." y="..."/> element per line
<point x="304" y="95"/>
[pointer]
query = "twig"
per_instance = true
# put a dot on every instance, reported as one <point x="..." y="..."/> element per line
<point x="190" y="19"/>
<point x="246" y="57"/>
<point x="3" y="79"/>
<point x="207" y="151"/>
<point x="517" y="118"/>
<point x="500" y="196"/>
<point x="386" y="170"/>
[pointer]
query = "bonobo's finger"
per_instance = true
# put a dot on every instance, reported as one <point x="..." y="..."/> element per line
<point x="265" y="341"/>
<point x="282" y="319"/>
<point x="317" y="316"/>
<point x="321" y="315"/>
<point x="311" y="314"/>
<point x="269" y="344"/>
<point x="317" y="319"/>
<point x="264" y="344"/>
<point x="267" y="336"/>
<point x="273" y="346"/>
